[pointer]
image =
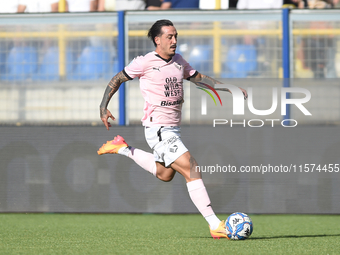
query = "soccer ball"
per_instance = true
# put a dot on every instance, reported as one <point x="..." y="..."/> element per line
<point x="238" y="226"/>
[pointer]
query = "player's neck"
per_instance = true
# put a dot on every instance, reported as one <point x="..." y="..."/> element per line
<point x="163" y="56"/>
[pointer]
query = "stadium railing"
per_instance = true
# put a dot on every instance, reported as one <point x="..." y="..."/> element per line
<point x="54" y="67"/>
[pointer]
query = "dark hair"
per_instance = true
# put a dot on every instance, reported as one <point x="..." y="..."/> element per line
<point x="156" y="29"/>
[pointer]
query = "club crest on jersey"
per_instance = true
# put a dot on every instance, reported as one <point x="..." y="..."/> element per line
<point x="178" y="66"/>
<point x="173" y="148"/>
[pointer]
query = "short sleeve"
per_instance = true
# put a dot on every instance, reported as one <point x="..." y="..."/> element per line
<point x="189" y="71"/>
<point x="135" y="68"/>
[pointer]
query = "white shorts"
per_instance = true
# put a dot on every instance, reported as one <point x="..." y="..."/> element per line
<point x="166" y="143"/>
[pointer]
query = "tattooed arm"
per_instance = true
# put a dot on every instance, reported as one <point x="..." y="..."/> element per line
<point x="111" y="89"/>
<point x="201" y="78"/>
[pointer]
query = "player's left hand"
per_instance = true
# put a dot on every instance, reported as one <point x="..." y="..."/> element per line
<point x="104" y="116"/>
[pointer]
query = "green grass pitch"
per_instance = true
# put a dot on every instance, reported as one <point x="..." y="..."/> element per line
<point x="163" y="234"/>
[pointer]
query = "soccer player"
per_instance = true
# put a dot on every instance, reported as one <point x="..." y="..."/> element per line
<point x="161" y="75"/>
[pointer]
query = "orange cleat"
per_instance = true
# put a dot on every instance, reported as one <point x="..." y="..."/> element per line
<point x="219" y="232"/>
<point x="112" y="146"/>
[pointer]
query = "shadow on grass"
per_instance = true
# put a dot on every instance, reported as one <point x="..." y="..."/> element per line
<point x="291" y="236"/>
<point x="280" y="237"/>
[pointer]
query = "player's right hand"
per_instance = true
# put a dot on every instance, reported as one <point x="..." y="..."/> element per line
<point x="105" y="114"/>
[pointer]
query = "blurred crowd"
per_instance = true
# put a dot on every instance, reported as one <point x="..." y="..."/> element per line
<point x="34" y="6"/>
<point x="315" y="55"/>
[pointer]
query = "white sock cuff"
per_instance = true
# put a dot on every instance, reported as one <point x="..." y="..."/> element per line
<point x="124" y="151"/>
<point x="213" y="221"/>
<point x="196" y="184"/>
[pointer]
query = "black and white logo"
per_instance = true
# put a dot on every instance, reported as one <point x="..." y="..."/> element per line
<point x="173" y="148"/>
<point x="178" y="66"/>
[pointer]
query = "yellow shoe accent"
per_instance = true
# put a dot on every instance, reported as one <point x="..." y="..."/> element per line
<point x="219" y="232"/>
<point x="112" y="146"/>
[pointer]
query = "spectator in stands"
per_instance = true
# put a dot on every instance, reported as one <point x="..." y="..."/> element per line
<point x="5" y="45"/>
<point x="320" y="4"/>
<point x="38" y="6"/>
<point x="295" y="4"/>
<point x="257" y="41"/>
<point x="9" y="6"/>
<point x="317" y="53"/>
<point x="121" y="5"/>
<point x="211" y="5"/>
<point x="233" y="4"/>
<point x="81" y="5"/>
<point x="251" y="4"/>
<point x="151" y="4"/>
<point x="108" y="5"/>
<point x="178" y="4"/>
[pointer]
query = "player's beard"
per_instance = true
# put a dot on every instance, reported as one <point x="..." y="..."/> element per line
<point x="172" y="54"/>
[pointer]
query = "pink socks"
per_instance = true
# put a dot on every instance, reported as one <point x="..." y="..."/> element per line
<point x="196" y="188"/>
<point x="143" y="159"/>
<point x="200" y="198"/>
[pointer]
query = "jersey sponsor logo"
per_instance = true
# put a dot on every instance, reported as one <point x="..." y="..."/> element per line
<point x="172" y="93"/>
<point x="156" y="68"/>
<point x="170" y="103"/>
<point x="172" y="87"/>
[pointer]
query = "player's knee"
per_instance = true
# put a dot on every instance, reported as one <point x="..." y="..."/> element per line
<point x="169" y="179"/>
<point x="165" y="178"/>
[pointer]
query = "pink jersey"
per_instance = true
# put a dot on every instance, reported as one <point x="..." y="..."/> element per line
<point x="161" y="84"/>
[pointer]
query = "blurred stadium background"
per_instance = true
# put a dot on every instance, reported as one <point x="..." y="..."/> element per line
<point x="54" y="69"/>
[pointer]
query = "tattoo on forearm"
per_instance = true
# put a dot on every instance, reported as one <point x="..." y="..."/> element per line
<point x="209" y="79"/>
<point x="223" y="89"/>
<point x="201" y="78"/>
<point x="110" y="90"/>
<point x="117" y="80"/>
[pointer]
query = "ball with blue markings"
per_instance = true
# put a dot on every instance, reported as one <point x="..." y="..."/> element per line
<point x="239" y="226"/>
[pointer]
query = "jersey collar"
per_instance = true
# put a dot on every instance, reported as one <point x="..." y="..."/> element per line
<point x="166" y="60"/>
